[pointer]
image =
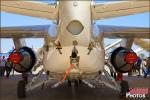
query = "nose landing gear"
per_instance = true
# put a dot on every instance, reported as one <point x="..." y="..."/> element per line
<point x="74" y="58"/>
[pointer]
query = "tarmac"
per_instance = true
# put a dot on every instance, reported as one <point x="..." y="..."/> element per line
<point x="8" y="89"/>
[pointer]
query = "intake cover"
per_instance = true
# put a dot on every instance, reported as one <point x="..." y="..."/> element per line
<point x="123" y="59"/>
<point x="23" y="59"/>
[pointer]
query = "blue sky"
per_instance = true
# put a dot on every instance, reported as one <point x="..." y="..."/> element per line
<point x="7" y="19"/>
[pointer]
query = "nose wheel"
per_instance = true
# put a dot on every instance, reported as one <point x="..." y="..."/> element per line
<point x="69" y="83"/>
<point x="76" y="83"/>
<point x="21" y="90"/>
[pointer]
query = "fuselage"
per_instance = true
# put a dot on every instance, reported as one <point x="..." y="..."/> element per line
<point x="75" y="23"/>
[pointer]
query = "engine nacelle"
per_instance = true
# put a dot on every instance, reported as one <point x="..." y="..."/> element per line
<point x="123" y="59"/>
<point x="23" y="59"/>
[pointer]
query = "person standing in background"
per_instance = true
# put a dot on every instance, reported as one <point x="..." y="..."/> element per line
<point x="146" y="67"/>
<point x="137" y="66"/>
<point x="2" y="66"/>
<point x="8" y="67"/>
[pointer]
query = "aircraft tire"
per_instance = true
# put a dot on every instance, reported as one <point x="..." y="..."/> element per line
<point x="69" y="83"/>
<point x="124" y="88"/>
<point x="21" y="92"/>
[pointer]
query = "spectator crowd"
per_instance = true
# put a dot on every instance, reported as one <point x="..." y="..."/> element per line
<point x="5" y="67"/>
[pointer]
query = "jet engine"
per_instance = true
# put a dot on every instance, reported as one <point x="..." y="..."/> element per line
<point x="123" y="59"/>
<point x="22" y="59"/>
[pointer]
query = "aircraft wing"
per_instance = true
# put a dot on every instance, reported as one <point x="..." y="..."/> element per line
<point x="124" y="32"/>
<point x="138" y="33"/>
<point x="28" y="8"/>
<point x="143" y="44"/>
<point x="117" y="9"/>
<point x="37" y="31"/>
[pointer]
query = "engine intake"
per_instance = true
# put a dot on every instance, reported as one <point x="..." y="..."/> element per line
<point x="23" y="59"/>
<point x="123" y="59"/>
